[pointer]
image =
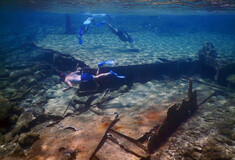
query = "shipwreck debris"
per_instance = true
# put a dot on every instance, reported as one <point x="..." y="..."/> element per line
<point x="176" y="114"/>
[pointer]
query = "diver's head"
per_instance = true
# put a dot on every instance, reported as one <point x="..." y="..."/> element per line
<point x="62" y="76"/>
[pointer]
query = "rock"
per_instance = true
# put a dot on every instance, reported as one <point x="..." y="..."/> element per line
<point x="80" y="107"/>
<point x="18" y="153"/>
<point x="213" y="149"/>
<point x="8" y="115"/>
<point x="13" y="119"/>
<point x="208" y="54"/>
<point x="22" y="124"/>
<point x="3" y="84"/>
<point x="231" y="78"/>
<point x="25" y="81"/>
<point x="233" y="136"/>
<point x="50" y="94"/>
<point x="225" y="75"/>
<point x="55" y="78"/>
<point x="2" y="139"/>
<point x="19" y="73"/>
<point x="3" y="130"/>
<point x="31" y="81"/>
<point x="39" y="75"/>
<point x="6" y="106"/>
<point x="80" y="100"/>
<point x="4" y="73"/>
<point x="41" y="99"/>
<point x="37" y="55"/>
<point x="27" y="139"/>
<point x="17" y="110"/>
<point x="123" y="89"/>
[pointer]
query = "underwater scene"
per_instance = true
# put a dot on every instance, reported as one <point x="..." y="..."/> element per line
<point x="117" y="80"/>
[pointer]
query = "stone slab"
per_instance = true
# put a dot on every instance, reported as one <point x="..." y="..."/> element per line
<point x="141" y="121"/>
<point x="56" y="143"/>
<point x="135" y="147"/>
<point x="112" y="151"/>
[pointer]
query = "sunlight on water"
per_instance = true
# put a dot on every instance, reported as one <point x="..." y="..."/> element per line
<point x="140" y="7"/>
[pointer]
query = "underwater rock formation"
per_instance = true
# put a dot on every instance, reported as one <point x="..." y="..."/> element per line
<point x="176" y="114"/>
<point x="68" y="28"/>
<point x="224" y="73"/>
<point x="26" y="68"/>
<point x="93" y="99"/>
<point x="231" y="79"/>
<point x="208" y="54"/>
<point x="8" y="115"/>
<point x="30" y="54"/>
<point x="27" y="139"/>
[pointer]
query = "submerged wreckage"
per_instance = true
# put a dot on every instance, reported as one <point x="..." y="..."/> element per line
<point x="88" y="125"/>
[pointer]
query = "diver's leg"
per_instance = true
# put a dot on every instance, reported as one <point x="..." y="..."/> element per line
<point x="86" y="28"/>
<point x="98" y="71"/>
<point x="112" y="29"/>
<point x="102" y="75"/>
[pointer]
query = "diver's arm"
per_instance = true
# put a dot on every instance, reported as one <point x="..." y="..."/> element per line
<point x="77" y="72"/>
<point x="69" y="84"/>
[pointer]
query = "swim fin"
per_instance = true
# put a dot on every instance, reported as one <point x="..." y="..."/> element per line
<point x="115" y="74"/>
<point x="121" y="76"/>
<point x="80" y="41"/>
<point x="80" y="31"/>
<point x="109" y="62"/>
<point x="100" y="64"/>
<point x="100" y="24"/>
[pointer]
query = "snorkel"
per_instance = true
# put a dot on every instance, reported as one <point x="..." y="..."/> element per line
<point x="62" y="77"/>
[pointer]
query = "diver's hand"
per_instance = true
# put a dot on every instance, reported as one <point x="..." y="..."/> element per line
<point x="65" y="89"/>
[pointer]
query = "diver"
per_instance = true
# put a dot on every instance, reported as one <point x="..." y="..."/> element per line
<point x="78" y="77"/>
<point x="121" y="33"/>
<point x="84" y="28"/>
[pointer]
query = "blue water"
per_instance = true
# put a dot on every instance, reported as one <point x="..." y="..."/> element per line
<point x="161" y="34"/>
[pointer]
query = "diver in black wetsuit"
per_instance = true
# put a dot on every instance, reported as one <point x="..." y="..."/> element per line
<point x="122" y="34"/>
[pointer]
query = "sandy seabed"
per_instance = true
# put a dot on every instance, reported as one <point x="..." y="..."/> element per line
<point x="150" y="46"/>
